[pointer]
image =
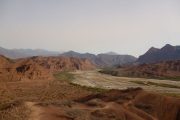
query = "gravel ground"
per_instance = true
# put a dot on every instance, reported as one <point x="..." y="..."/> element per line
<point x="96" y="79"/>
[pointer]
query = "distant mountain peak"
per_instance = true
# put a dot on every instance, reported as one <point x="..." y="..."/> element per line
<point x="111" y="53"/>
<point x="152" y="49"/>
<point x="71" y="51"/>
<point x="168" y="47"/>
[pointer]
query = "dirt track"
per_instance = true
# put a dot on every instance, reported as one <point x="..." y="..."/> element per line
<point x="95" y="79"/>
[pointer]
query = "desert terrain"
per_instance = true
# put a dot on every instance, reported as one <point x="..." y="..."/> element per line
<point x="89" y="60"/>
<point x="63" y="99"/>
<point x="67" y="88"/>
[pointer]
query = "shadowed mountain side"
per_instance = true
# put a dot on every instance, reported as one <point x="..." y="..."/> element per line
<point x="168" y="52"/>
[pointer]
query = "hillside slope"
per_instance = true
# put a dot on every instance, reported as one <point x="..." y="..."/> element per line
<point x="34" y="68"/>
<point x="164" y="69"/>
<point x="130" y="104"/>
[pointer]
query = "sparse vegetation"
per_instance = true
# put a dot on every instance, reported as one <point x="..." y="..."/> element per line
<point x="156" y="84"/>
<point x="93" y="89"/>
<point x="8" y="105"/>
<point x="122" y="73"/>
<point x="109" y="71"/>
<point x="13" y="110"/>
<point x="59" y="93"/>
<point x="68" y="77"/>
<point x="13" y="96"/>
<point x="19" y="112"/>
<point x="64" y="76"/>
<point x="139" y="82"/>
<point x="170" y="78"/>
<point x="177" y="95"/>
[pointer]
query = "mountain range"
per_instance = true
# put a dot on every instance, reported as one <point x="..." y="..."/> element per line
<point x="22" y="53"/>
<point x="153" y="55"/>
<point x="102" y="60"/>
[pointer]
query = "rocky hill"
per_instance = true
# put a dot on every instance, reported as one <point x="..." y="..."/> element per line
<point x="34" y="68"/>
<point x="164" y="69"/>
<point x="168" y="52"/>
<point x="160" y="70"/>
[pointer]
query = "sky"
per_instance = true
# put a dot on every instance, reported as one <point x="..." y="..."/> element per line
<point x="95" y="26"/>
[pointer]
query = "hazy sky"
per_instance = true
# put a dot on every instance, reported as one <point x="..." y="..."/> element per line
<point x="122" y="26"/>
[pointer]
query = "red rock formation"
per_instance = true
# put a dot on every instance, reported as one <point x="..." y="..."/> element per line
<point x="34" y="68"/>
